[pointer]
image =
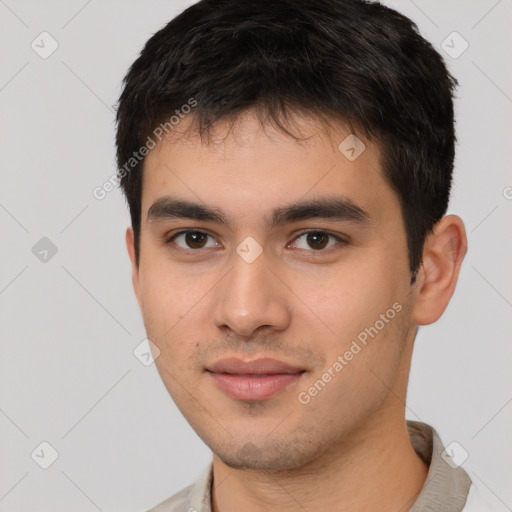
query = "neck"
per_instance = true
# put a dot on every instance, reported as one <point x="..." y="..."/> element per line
<point x="376" y="469"/>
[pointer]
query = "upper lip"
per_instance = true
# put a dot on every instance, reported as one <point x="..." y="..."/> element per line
<point x="263" y="366"/>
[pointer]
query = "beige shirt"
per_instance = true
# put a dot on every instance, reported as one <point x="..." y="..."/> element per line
<point x="447" y="488"/>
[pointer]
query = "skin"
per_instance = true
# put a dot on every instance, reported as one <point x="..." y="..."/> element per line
<point x="299" y="302"/>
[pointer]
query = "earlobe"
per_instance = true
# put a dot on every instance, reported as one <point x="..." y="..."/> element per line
<point x="443" y="253"/>
<point x="130" y="246"/>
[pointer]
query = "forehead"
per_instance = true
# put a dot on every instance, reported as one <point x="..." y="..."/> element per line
<point x="300" y="130"/>
<point x="246" y="164"/>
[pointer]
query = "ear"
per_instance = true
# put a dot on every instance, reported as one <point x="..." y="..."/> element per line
<point x="130" y="245"/>
<point x="443" y="252"/>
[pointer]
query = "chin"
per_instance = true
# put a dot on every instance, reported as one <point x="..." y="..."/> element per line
<point x="269" y="456"/>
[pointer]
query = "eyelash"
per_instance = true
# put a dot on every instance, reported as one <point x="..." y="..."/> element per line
<point x="340" y="240"/>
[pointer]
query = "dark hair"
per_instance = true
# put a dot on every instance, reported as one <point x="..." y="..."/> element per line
<point x="350" y="60"/>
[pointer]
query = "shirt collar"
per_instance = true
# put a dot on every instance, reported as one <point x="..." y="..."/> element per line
<point x="447" y="485"/>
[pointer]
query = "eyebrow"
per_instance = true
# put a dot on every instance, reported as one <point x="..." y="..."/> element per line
<point x="332" y="208"/>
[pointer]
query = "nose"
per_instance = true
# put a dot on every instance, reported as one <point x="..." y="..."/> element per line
<point x="250" y="297"/>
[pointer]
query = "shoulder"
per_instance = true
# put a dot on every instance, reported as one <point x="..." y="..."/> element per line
<point x="475" y="502"/>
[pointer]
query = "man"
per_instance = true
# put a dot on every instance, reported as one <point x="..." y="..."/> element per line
<point x="287" y="166"/>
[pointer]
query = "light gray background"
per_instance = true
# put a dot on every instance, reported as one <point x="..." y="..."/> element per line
<point x="69" y="325"/>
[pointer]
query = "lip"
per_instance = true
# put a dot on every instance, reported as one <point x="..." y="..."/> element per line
<point x="253" y="380"/>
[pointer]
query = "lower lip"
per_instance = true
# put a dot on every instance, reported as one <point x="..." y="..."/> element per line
<point x="253" y="387"/>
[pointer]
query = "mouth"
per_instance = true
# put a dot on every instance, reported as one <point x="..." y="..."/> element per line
<point x="253" y="380"/>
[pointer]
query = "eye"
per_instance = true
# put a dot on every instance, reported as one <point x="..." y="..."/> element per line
<point x="192" y="240"/>
<point x="317" y="240"/>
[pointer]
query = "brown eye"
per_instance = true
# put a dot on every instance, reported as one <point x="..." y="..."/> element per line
<point x="317" y="240"/>
<point x="195" y="239"/>
<point x="192" y="240"/>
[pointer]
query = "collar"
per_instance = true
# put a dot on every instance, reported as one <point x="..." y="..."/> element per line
<point x="446" y="487"/>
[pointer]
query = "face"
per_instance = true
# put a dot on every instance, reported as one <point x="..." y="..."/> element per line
<point x="274" y="279"/>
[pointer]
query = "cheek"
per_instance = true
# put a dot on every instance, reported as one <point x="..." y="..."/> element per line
<point x="171" y="310"/>
<point x="362" y="361"/>
<point x="351" y="297"/>
<point x="170" y="301"/>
